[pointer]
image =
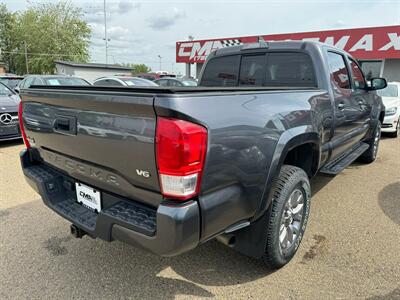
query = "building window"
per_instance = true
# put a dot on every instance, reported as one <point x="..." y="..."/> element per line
<point x="371" y="69"/>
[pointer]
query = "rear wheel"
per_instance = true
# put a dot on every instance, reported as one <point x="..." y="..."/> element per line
<point x="370" y="154"/>
<point x="287" y="216"/>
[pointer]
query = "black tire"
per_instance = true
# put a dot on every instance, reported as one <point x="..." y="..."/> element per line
<point x="397" y="132"/>
<point x="371" y="153"/>
<point x="291" y="180"/>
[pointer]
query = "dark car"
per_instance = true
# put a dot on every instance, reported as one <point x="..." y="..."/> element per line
<point x="167" y="81"/>
<point x="168" y="169"/>
<point x="11" y="80"/>
<point x="123" y="81"/>
<point x="9" y="102"/>
<point x="51" y="80"/>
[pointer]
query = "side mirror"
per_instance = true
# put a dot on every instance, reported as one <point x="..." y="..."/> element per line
<point x="17" y="89"/>
<point x="378" y="83"/>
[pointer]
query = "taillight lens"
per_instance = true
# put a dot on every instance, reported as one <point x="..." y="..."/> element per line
<point x="21" y="125"/>
<point x="181" y="148"/>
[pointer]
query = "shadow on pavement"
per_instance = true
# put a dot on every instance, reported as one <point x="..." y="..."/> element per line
<point x="395" y="294"/>
<point x="4" y="144"/>
<point x="114" y="269"/>
<point x="389" y="201"/>
<point x="318" y="182"/>
<point x="211" y="264"/>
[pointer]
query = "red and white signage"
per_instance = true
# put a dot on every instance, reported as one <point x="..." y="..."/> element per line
<point x="362" y="43"/>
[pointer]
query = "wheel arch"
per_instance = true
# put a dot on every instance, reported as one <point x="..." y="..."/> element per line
<point x="291" y="140"/>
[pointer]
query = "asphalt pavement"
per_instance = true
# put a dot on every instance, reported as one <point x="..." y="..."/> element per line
<point x="351" y="249"/>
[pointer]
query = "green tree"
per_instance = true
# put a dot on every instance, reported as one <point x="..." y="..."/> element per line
<point x="7" y="41"/>
<point x="138" y="68"/>
<point x="51" y="31"/>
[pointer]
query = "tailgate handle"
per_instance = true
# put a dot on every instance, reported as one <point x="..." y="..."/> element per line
<point x="65" y="125"/>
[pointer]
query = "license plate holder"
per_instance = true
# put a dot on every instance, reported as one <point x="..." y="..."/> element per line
<point x="88" y="196"/>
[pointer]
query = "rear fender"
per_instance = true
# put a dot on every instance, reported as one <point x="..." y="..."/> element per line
<point x="251" y="240"/>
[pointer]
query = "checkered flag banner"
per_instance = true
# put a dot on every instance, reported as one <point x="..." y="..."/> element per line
<point x="230" y="43"/>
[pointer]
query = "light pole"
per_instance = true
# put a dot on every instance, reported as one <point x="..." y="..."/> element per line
<point x="105" y="31"/>
<point x="160" y="57"/>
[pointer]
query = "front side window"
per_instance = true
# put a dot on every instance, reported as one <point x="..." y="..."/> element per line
<point x="11" y="82"/>
<point x="221" y="71"/>
<point x="4" y="90"/>
<point x="162" y="82"/>
<point x="28" y="82"/>
<point x="339" y="73"/>
<point x="100" y="82"/>
<point x="358" y="77"/>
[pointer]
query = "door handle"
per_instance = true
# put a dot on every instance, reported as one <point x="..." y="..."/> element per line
<point x="340" y="106"/>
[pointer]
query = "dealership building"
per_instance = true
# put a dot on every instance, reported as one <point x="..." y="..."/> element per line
<point x="376" y="48"/>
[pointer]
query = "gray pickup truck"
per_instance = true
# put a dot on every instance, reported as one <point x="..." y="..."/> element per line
<point x="167" y="169"/>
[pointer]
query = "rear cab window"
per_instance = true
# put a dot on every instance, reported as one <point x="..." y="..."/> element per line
<point x="222" y="71"/>
<point x="274" y="69"/>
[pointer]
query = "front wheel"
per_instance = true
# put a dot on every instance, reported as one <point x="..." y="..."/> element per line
<point x="287" y="216"/>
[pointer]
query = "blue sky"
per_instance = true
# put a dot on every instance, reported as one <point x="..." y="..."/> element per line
<point x="139" y="31"/>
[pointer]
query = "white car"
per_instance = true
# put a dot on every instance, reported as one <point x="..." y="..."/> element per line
<point x="391" y="99"/>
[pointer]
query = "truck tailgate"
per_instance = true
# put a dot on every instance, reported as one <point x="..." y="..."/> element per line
<point x="104" y="139"/>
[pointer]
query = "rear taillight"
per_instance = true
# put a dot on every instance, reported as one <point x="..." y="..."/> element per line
<point x="181" y="150"/>
<point x="21" y="125"/>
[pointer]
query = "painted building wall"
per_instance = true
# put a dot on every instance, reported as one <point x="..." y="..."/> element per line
<point x="391" y="69"/>
<point x="90" y="74"/>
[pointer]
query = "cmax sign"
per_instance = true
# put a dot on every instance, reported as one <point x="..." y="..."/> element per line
<point x="362" y="43"/>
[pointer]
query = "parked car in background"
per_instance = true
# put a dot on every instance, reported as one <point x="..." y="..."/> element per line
<point x="391" y="99"/>
<point x="154" y="76"/>
<point x="123" y="81"/>
<point x="168" y="81"/>
<point x="11" y="80"/>
<point x="9" y="126"/>
<point x="51" y="80"/>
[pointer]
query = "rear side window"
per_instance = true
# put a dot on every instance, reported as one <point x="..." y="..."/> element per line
<point x="339" y="73"/>
<point x="221" y="71"/>
<point x="107" y="82"/>
<point x="28" y="82"/>
<point x="290" y="69"/>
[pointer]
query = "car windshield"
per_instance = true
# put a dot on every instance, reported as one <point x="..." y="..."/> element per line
<point x="11" y="82"/>
<point x="65" y="81"/>
<point x="390" y="91"/>
<point x="189" y="83"/>
<point x="139" y="82"/>
<point x="4" y="91"/>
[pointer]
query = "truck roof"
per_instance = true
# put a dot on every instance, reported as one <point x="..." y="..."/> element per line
<point x="273" y="45"/>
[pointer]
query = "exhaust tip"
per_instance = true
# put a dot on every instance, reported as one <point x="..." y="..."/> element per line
<point x="227" y="239"/>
